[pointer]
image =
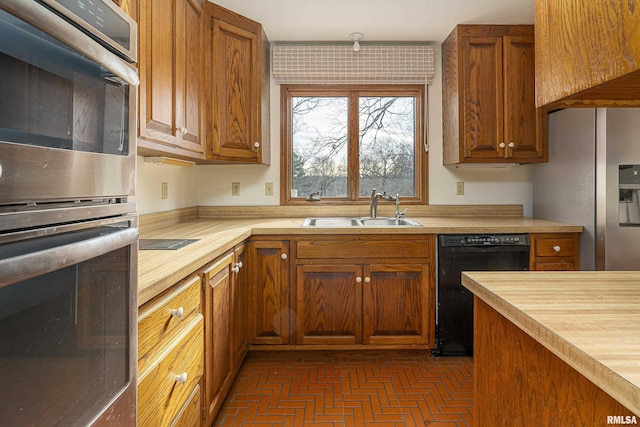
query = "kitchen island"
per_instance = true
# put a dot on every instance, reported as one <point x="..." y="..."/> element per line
<point x="556" y="348"/>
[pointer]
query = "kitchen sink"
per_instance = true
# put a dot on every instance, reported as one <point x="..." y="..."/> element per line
<point x="359" y="222"/>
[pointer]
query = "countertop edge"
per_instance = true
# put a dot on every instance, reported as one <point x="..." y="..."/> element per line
<point x="595" y="371"/>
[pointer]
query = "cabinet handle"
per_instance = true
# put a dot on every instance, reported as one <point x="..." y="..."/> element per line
<point x="502" y="145"/>
<point x="181" y="378"/>
<point x="256" y="146"/>
<point x="237" y="267"/>
<point x="283" y="256"/>
<point x="512" y="144"/>
<point x="556" y="248"/>
<point x="179" y="312"/>
<point x="358" y="279"/>
<point x="367" y="280"/>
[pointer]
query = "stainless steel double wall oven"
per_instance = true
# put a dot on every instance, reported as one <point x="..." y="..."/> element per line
<point x="68" y="231"/>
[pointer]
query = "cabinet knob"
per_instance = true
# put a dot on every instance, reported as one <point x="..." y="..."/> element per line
<point x="367" y="280"/>
<point x="512" y="144"/>
<point x="178" y="312"/>
<point x="283" y="256"/>
<point x="239" y="264"/>
<point x="256" y="146"/>
<point x="182" y="130"/>
<point x="358" y="279"/>
<point x="556" y="248"/>
<point x="181" y="378"/>
<point x="502" y="145"/>
<point x="235" y="269"/>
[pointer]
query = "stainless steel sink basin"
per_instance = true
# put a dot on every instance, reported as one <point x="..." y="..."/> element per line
<point x="389" y="222"/>
<point x="359" y="222"/>
<point x="331" y="222"/>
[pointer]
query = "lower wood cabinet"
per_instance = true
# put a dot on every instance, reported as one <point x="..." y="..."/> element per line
<point x="554" y="252"/>
<point x="362" y="304"/>
<point x="240" y="298"/>
<point x="364" y="290"/>
<point x="170" y="357"/>
<point x="219" y="352"/>
<point x="269" y="291"/>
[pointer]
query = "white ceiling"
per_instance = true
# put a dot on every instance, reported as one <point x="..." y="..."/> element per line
<point x="378" y="20"/>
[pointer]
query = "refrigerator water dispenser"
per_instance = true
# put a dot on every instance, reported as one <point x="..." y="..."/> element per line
<point x="629" y="186"/>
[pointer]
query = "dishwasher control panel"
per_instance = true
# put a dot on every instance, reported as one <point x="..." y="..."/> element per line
<point x="452" y="240"/>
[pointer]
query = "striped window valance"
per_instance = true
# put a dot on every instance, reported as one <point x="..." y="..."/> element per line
<point x="339" y="64"/>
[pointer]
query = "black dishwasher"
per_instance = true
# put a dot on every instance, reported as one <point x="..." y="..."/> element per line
<point x="454" y="306"/>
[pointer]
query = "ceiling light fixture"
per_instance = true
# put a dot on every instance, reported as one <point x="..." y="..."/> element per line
<point x="356" y="37"/>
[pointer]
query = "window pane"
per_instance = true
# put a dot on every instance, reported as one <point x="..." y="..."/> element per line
<point x="319" y="146"/>
<point x="387" y="145"/>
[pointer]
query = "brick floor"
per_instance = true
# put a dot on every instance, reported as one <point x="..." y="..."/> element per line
<point x="338" y="388"/>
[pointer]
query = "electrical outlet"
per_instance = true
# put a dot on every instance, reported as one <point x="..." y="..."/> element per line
<point x="235" y="188"/>
<point x="165" y="190"/>
<point x="460" y="188"/>
<point x="268" y="188"/>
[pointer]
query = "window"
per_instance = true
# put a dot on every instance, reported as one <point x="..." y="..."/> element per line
<point x="344" y="141"/>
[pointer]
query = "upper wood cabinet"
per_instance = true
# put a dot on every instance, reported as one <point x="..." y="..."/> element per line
<point x="489" y="112"/>
<point x="587" y="53"/>
<point x="237" y="88"/>
<point x="171" y="64"/>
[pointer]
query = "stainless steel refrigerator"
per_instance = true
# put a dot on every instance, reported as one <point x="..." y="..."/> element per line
<point x="593" y="179"/>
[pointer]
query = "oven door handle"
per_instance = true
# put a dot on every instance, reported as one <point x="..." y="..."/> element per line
<point x="15" y="269"/>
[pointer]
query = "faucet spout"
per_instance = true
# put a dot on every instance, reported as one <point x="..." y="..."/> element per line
<point x="373" y="205"/>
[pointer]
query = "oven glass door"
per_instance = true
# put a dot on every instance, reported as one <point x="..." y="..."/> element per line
<point x="52" y="96"/>
<point x="66" y="326"/>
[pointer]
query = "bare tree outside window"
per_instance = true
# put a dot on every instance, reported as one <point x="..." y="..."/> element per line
<point x="319" y="136"/>
<point x="343" y="142"/>
<point x="387" y="145"/>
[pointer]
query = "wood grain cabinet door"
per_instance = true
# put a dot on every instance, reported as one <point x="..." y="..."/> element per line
<point x="170" y="67"/>
<point x="483" y="97"/>
<point x="218" y="373"/>
<point x="241" y="313"/>
<point x="520" y="122"/>
<point x="329" y="304"/>
<point x="269" y="292"/>
<point x="396" y="304"/>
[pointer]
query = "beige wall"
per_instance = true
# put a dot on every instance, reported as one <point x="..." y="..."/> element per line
<point x="211" y="184"/>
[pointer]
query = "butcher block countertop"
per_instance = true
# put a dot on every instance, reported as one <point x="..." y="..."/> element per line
<point x="160" y="269"/>
<point x="590" y="320"/>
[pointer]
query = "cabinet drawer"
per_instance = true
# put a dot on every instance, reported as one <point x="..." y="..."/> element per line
<point x="160" y="318"/>
<point x="190" y="413"/>
<point x="161" y="395"/>
<point x="556" y="247"/>
<point x="364" y="248"/>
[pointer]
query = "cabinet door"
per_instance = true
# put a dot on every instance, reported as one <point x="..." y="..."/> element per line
<point x="218" y="350"/>
<point x="170" y="68"/>
<point x="329" y="304"/>
<point x="269" y="293"/>
<point x="396" y="304"/>
<point x="189" y="66"/>
<point x="240" y="296"/>
<point x="236" y="85"/>
<point x="483" y="97"/>
<point x="520" y="125"/>
<point x="158" y="34"/>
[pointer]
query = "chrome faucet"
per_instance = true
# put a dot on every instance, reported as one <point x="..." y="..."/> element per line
<point x="375" y="196"/>
<point x="373" y="205"/>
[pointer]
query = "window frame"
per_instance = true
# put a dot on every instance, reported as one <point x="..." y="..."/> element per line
<point x="353" y="93"/>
